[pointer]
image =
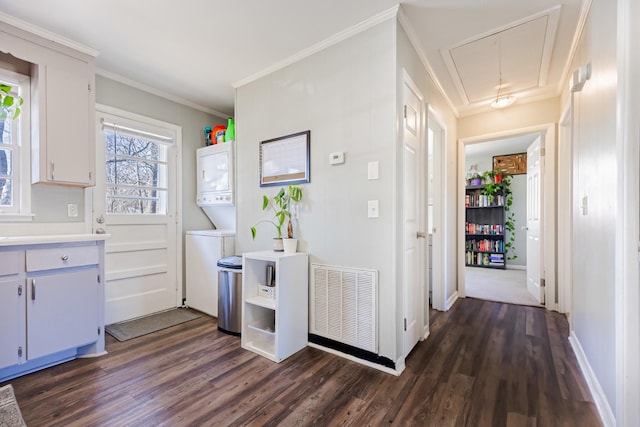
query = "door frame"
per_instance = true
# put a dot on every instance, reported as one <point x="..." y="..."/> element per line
<point x="438" y="285"/>
<point x="90" y="191"/>
<point x="548" y="132"/>
<point x="565" y="214"/>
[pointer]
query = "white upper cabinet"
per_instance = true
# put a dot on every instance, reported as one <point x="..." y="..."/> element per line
<point x="62" y="107"/>
<point x="63" y="137"/>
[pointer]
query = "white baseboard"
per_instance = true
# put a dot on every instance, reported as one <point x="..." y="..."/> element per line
<point x="516" y="267"/>
<point x="451" y="300"/>
<point x="599" y="398"/>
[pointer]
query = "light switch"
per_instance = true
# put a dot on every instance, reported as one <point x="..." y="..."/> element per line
<point x="372" y="209"/>
<point x="372" y="170"/>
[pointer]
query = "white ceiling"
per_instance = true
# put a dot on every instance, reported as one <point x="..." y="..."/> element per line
<point x="196" y="50"/>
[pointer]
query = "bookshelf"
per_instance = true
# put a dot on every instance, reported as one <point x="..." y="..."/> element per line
<point x="484" y="229"/>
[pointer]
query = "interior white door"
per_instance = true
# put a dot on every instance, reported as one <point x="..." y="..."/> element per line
<point x="134" y="201"/>
<point x="412" y="216"/>
<point x="535" y="167"/>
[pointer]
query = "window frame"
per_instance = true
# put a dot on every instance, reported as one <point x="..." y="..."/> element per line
<point x="21" y="148"/>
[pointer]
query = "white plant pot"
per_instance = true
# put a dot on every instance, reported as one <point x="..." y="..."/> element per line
<point x="290" y="245"/>
<point x="277" y="244"/>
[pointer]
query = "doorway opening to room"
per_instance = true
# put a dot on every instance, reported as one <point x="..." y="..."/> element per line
<point x="502" y="219"/>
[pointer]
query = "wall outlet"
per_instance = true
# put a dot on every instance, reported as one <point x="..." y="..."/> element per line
<point x="72" y="210"/>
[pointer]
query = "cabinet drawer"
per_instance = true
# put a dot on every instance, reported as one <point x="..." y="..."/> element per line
<point x="10" y="263"/>
<point x="63" y="257"/>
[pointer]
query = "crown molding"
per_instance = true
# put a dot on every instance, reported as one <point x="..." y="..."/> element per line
<point x="415" y="42"/>
<point x="154" y="91"/>
<point x="46" y="34"/>
<point x="337" y="38"/>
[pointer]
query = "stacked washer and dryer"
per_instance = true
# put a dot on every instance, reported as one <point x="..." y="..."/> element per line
<point x="213" y="271"/>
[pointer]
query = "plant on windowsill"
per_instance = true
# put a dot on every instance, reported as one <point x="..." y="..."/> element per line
<point x="499" y="182"/>
<point x="282" y="205"/>
<point x="9" y="105"/>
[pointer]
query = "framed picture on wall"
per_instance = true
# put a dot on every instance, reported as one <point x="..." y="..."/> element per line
<point x="285" y="160"/>
<point x="513" y="164"/>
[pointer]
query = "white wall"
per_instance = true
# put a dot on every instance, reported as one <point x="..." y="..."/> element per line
<point x="345" y="95"/>
<point x="595" y="177"/>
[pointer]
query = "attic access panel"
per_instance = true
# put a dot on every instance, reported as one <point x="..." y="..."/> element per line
<point x="522" y="50"/>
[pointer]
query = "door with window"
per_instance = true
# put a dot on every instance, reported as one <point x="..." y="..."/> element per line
<point x="135" y="202"/>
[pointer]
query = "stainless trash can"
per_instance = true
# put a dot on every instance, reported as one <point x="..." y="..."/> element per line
<point x="230" y="295"/>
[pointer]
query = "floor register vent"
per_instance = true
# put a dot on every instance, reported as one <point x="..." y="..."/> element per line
<point x="344" y="305"/>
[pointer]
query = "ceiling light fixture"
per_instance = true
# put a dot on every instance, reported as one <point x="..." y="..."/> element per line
<point x="501" y="101"/>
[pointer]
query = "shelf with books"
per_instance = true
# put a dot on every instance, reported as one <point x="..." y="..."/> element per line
<point x="484" y="229"/>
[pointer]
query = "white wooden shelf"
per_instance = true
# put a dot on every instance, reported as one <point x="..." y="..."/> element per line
<point x="275" y="328"/>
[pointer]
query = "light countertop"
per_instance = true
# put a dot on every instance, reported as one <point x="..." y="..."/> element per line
<point x="54" y="238"/>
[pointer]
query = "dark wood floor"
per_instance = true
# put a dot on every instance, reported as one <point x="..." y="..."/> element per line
<point x="485" y="364"/>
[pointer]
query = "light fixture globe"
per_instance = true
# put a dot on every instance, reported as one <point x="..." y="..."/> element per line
<point x="503" y="102"/>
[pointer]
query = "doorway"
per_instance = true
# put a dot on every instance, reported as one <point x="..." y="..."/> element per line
<point x="135" y="201"/>
<point x="480" y="151"/>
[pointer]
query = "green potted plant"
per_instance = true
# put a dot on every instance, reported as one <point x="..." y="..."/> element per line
<point x="281" y="205"/>
<point x="499" y="182"/>
<point x="9" y="105"/>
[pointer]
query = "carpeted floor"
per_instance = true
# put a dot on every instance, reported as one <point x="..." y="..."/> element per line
<point x="10" y="415"/>
<point x="499" y="285"/>
<point x="145" y="325"/>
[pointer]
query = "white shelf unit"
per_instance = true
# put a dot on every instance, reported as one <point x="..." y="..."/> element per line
<point x="275" y="328"/>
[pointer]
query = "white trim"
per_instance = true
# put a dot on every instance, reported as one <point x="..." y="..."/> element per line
<point x="415" y="41"/>
<point x="153" y="91"/>
<point x="438" y="242"/>
<point x="46" y="34"/>
<point x="599" y="398"/>
<point x="451" y="300"/>
<point x="516" y="267"/>
<point x="399" y="364"/>
<point x="11" y="217"/>
<point x="335" y="39"/>
<point x="627" y="229"/>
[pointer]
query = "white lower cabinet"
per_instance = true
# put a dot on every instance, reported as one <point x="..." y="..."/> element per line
<point x="51" y="305"/>
<point x="62" y="311"/>
<point x="275" y="319"/>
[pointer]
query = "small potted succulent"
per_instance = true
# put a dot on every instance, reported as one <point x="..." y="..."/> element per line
<point x="282" y="205"/>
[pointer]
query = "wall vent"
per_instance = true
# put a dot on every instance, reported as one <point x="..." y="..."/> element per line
<point x="344" y="305"/>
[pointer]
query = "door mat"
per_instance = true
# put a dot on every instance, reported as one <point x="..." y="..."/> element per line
<point x="130" y="329"/>
<point x="10" y="415"/>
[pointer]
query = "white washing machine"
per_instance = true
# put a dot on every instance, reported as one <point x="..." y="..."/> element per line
<point x="203" y="250"/>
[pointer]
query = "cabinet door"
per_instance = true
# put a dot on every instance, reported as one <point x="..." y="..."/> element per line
<point x="12" y="323"/>
<point x="65" y="141"/>
<point x="62" y="311"/>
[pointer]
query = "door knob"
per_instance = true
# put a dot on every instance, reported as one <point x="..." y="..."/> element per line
<point x="100" y="220"/>
<point x="421" y="235"/>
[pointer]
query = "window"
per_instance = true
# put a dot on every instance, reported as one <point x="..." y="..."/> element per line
<point x="15" y="185"/>
<point x="136" y="178"/>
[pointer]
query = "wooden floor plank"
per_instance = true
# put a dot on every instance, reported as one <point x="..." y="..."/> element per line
<point x="484" y="364"/>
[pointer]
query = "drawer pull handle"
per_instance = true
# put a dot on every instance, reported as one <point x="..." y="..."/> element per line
<point x="64" y="258"/>
<point x="33" y="289"/>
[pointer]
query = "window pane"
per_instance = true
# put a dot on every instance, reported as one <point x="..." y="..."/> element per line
<point x="135" y="168"/>
<point x="134" y="172"/>
<point x="6" y="162"/>
<point x="5" y="129"/>
<point x="6" y="193"/>
<point x="136" y="201"/>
